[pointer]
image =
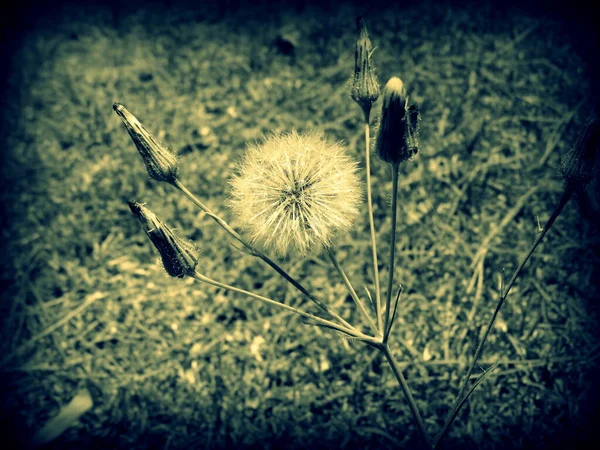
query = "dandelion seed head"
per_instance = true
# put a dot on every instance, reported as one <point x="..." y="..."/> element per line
<point x="295" y="193"/>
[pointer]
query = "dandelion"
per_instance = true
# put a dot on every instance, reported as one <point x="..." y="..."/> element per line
<point x="179" y="257"/>
<point x="296" y="192"/>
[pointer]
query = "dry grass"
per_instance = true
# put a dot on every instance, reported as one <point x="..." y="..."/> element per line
<point x="174" y="364"/>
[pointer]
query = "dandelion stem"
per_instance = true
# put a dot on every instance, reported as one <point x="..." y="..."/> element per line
<point x="255" y="252"/>
<point x="351" y="290"/>
<point x="372" y="225"/>
<point x="388" y="299"/>
<point x="414" y="409"/>
<point x="465" y="384"/>
<point x="352" y="332"/>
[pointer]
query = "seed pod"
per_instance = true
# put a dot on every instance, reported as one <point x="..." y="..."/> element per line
<point x="392" y="139"/>
<point x="179" y="257"/>
<point x="160" y="162"/>
<point x="365" y="88"/>
<point x="579" y="165"/>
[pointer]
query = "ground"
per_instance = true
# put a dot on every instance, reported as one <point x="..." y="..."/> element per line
<point x="176" y="364"/>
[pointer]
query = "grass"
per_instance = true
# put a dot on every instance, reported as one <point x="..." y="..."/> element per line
<point x="174" y="364"/>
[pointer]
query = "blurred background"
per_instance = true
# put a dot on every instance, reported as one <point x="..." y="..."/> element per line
<point x="168" y="363"/>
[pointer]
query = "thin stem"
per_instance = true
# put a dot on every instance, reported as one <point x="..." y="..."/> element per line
<point x="412" y="404"/>
<point x="179" y="185"/>
<point x="372" y="226"/>
<point x="465" y="385"/>
<point x="351" y="290"/>
<point x="255" y="252"/>
<point x="462" y="400"/>
<point x="198" y="276"/>
<point x="389" y="328"/>
<point x="388" y="299"/>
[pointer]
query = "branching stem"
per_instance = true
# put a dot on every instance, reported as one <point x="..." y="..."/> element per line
<point x="255" y="252"/>
<point x="388" y="299"/>
<point x="352" y="332"/>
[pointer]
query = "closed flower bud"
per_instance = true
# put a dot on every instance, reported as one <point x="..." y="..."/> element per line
<point x="179" y="257"/>
<point x="579" y="166"/>
<point x="160" y="162"/>
<point x="365" y="88"/>
<point x="397" y="136"/>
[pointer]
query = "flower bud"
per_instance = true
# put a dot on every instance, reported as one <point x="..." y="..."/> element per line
<point x="395" y="137"/>
<point x="365" y="88"/>
<point x="179" y="257"/>
<point x="160" y="162"/>
<point x="579" y="165"/>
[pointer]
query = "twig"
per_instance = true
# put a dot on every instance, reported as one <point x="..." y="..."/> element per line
<point x="459" y="402"/>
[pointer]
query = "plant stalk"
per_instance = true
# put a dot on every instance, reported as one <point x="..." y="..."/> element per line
<point x="255" y="252"/>
<point x="198" y="276"/>
<point x="412" y="404"/>
<point x="351" y="290"/>
<point x="388" y="299"/>
<point x="372" y="226"/>
<point x="567" y="193"/>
